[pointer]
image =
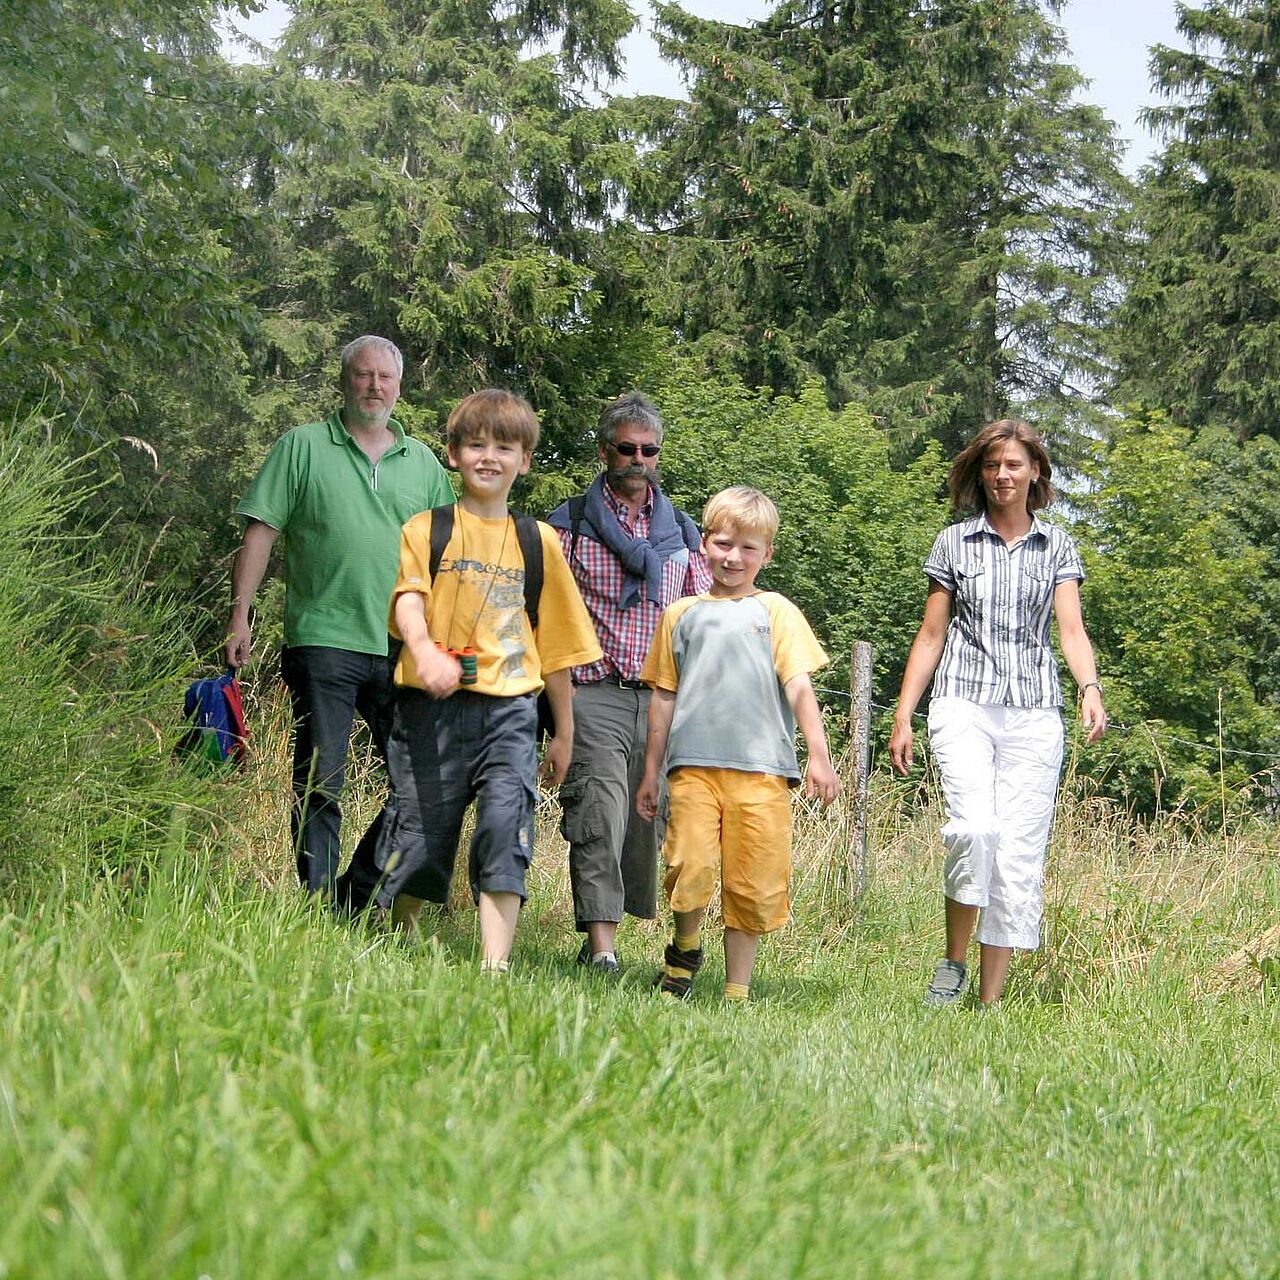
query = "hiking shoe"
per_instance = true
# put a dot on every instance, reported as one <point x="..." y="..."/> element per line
<point x="947" y="985"/>
<point x="606" y="962"/>
<point x="678" y="970"/>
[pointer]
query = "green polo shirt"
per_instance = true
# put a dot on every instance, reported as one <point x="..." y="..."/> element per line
<point x="339" y="516"/>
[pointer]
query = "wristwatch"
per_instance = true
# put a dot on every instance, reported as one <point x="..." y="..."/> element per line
<point x="1089" y="684"/>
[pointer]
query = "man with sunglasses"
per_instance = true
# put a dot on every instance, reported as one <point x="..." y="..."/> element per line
<point x="632" y="554"/>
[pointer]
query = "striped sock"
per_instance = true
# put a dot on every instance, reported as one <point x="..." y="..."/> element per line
<point x="689" y="941"/>
<point x="737" y="991"/>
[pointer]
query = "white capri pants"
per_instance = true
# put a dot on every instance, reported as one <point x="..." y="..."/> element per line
<point x="999" y="769"/>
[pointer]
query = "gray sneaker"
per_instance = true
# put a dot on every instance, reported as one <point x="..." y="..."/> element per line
<point x="948" y="983"/>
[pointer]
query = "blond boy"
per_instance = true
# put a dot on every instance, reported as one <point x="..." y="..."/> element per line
<point x="730" y="671"/>
<point x="451" y="743"/>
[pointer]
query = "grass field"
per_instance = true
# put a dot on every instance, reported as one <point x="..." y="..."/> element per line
<point x="200" y="1077"/>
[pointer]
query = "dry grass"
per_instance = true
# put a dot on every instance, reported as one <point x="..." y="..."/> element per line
<point x="1119" y="894"/>
<point x="1242" y="969"/>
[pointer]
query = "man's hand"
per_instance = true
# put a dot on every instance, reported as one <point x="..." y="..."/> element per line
<point x="555" y="760"/>
<point x="246" y="578"/>
<point x="239" y="644"/>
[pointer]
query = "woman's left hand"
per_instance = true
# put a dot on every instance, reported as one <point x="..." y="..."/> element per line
<point x="1092" y="714"/>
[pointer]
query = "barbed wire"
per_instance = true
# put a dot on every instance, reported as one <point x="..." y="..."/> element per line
<point x="1119" y="726"/>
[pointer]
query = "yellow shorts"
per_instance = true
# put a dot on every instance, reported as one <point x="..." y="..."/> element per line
<point x="737" y="824"/>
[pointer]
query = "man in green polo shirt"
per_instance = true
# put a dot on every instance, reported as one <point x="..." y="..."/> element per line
<point x="338" y="491"/>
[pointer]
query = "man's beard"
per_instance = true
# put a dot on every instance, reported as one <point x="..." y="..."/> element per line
<point x="625" y="477"/>
<point x="367" y="417"/>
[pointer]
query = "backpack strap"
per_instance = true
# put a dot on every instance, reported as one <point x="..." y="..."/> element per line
<point x="441" y="532"/>
<point x="527" y="535"/>
<point x="530" y="539"/>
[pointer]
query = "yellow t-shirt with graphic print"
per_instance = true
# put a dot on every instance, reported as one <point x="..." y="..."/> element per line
<point x="477" y="602"/>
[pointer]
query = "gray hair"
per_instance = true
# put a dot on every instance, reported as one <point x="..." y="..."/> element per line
<point x="632" y="407"/>
<point x="357" y="345"/>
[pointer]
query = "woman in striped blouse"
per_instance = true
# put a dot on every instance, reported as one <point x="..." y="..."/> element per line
<point x="995" y="719"/>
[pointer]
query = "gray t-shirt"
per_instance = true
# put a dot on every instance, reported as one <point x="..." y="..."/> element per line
<point x="728" y="662"/>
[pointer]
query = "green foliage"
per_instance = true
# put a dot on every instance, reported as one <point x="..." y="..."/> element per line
<point x="91" y="682"/>
<point x="1199" y="333"/>
<point x="904" y="198"/>
<point x="458" y="196"/>
<point x="854" y="530"/>
<point x="1241" y="481"/>
<point x="127" y="150"/>
<point x="111" y="259"/>
<point x="1172" y="601"/>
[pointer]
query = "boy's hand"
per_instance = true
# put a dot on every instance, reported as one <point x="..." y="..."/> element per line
<point x="555" y="760"/>
<point x="439" y="673"/>
<point x="647" y="798"/>
<point x="821" y="780"/>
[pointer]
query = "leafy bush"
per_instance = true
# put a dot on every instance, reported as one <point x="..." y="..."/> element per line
<point x="1173" y="603"/>
<point x="854" y="530"/>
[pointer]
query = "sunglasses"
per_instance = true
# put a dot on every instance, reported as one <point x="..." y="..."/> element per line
<point x="629" y="450"/>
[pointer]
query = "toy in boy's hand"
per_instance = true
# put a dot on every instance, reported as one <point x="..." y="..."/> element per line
<point x="466" y="660"/>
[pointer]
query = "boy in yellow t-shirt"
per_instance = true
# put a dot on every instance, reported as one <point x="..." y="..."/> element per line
<point x="730" y="672"/>
<point x="452" y="743"/>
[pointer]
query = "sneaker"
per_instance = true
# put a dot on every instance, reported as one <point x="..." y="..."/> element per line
<point x="678" y="970"/>
<point x="948" y="983"/>
<point x="605" y="962"/>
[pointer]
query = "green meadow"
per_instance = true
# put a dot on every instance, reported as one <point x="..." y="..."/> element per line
<point x="200" y="1076"/>
<point x="867" y="229"/>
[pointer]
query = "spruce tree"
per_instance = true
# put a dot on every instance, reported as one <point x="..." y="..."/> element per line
<point x="905" y="197"/>
<point x="459" y="198"/>
<point x="1199" y="332"/>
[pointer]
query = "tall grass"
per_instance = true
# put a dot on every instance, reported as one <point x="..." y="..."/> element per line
<point x="91" y="681"/>
<point x="207" y="1078"/>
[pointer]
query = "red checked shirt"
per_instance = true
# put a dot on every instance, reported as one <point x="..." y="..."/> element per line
<point x="625" y="634"/>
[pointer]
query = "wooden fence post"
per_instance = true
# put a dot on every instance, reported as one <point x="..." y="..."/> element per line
<point x="860" y="733"/>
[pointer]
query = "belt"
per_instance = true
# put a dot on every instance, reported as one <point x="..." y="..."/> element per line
<point x="614" y="678"/>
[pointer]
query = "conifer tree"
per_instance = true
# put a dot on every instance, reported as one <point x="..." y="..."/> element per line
<point x="460" y="197"/>
<point x="1200" y="327"/>
<point x="905" y="197"/>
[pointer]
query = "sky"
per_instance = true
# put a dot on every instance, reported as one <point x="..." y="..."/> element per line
<point x="1110" y="43"/>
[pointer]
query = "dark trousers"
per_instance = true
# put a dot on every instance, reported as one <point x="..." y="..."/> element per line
<point x="327" y="687"/>
<point x="443" y="755"/>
